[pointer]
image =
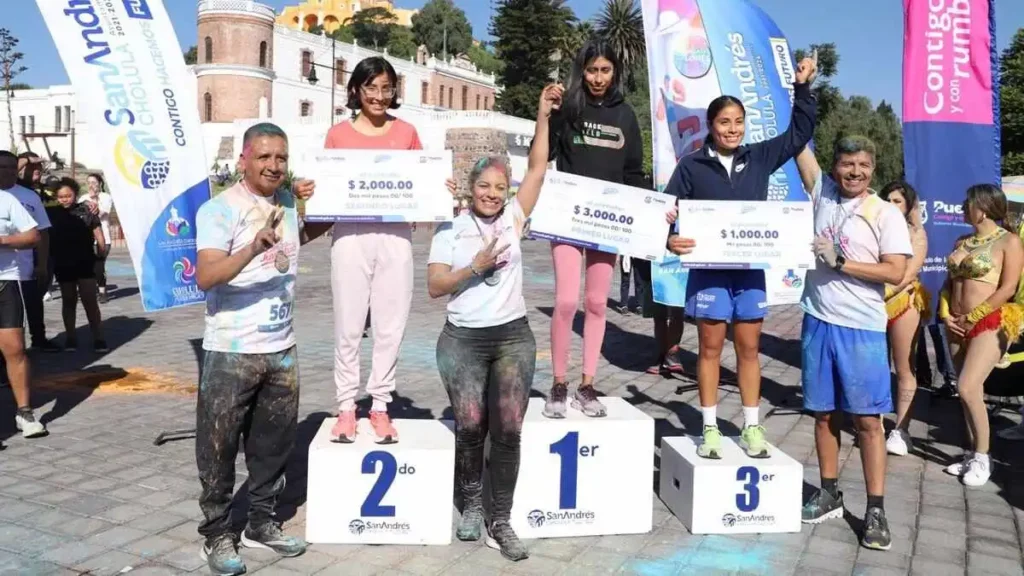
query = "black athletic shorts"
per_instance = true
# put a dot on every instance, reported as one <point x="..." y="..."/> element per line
<point x="83" y="269"/>
<point x="12" y="310"/>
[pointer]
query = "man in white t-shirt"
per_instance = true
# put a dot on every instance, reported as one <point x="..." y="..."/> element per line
<point x="32" y="269"/>
<point x="862" y="243"/>
<point x="248" y="239"/>
<point x="18" y="232"/>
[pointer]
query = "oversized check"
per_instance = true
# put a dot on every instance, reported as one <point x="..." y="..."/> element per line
<point x="377" y="185"/>
<point x="734" y="234"/>
<point x="602" y="216"/>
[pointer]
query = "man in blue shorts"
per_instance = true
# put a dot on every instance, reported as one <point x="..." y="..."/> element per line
<point x="862" y="243"/>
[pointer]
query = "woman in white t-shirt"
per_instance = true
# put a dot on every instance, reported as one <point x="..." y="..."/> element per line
<point x="100" y="203"/>
<point x="486" y="353"/>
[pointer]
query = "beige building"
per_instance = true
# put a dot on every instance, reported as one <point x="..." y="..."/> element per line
<point x="331" y="14"/>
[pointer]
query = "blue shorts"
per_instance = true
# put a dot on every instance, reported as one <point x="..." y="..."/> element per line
<point x="845" y="369"/>
<point x="726" y="295"/>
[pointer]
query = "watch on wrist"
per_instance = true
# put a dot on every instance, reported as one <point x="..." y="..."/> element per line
<point x="840" y="262"/>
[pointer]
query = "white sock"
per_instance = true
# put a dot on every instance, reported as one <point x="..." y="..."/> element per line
<point x="710" y="415"/>
<point x="983" y="458"/>
<point x="379" y="406"/>
<point x="750" y="415"/>
<point x="347" y="406"/>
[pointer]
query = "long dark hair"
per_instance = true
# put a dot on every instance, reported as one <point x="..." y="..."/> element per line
<point x="910" y="197"/>
<point x="575" y="99"/>
<point x="363" y="74"/>
<point x="992" y="202"/>
<point x="99" y="179"/>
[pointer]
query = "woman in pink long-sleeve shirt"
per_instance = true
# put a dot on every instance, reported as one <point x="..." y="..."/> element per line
<point x="371" y="262"/>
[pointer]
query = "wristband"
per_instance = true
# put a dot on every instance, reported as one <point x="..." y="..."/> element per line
<point x="980" y="311"/>
<point x="944" y="304"/>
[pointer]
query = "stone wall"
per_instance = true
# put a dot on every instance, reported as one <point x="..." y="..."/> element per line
<point x="468" y="145"/>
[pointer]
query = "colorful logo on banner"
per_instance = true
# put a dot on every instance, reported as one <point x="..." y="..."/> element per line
<point x="697" y="51"/>
<point x="950" y="114"/>
<point x="125" y="63"/>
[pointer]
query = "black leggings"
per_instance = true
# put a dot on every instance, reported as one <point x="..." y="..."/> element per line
<point x="100" y="269"/>
<point x="488" y="373"/>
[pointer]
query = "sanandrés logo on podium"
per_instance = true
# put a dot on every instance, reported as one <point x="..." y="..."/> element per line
<point x="539" y="518"/>
<point x="359" y="527"/>
<point x="734" y="520"/>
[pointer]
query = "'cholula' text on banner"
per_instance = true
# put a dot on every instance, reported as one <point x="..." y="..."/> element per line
<point x="125" y="63"/>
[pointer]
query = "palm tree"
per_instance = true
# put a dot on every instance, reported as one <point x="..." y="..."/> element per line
<point x="621" y="23"/>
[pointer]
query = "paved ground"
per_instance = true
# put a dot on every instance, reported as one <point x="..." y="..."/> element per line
<point x="97" y="496"/>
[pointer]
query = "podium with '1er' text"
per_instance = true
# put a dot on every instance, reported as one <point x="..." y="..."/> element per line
<point x="581" y="476"/>
<point x="366" y="493"/>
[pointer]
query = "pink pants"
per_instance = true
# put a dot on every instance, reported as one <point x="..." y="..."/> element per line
<point x="568" y="262"/>
<point x="371" y="269"/>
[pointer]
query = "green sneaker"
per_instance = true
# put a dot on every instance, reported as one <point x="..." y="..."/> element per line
<point x="711" y="444"/>
<point x="753" y="443"/>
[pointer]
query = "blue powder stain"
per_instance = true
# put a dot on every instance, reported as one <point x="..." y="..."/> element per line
<point x="287" y="361"/>
<point x="714" y="552"/>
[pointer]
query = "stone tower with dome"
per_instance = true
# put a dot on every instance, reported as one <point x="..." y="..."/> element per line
<point x="234" y="61"/>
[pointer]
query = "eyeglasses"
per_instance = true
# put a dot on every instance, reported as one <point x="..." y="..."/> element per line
<point x="375" y="92"/>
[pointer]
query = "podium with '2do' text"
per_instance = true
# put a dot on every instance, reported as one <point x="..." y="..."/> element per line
<point x="581" y="476"/>
<point x="365" y="493"/>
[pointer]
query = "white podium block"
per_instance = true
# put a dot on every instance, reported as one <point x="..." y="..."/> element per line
<point x="582" y="476"/>
<point x="367" y="493"/>
<point x="735" y="495"/>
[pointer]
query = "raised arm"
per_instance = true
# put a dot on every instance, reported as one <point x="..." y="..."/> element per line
<point x="533" y="181"/>
<point x="779" y="150"/>
<point x="810" y="171"/>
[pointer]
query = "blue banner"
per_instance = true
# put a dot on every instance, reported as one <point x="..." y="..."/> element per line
<point x="697" y="51"/>
<point x="950" y="115"/>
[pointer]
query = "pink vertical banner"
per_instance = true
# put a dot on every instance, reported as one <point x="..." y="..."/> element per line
<point x="947" y="61"/>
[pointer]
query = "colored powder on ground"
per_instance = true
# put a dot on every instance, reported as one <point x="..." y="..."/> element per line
<point x="118" y="381"/>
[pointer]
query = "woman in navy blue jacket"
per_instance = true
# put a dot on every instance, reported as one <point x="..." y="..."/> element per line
<point x="724" y="169"/>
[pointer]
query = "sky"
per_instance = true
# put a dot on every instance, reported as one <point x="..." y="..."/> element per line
<point x="867" y="33"/>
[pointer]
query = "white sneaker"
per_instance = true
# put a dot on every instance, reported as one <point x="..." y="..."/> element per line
<point x="1015" y="433"/>
<point x="30" y="428"/>
<point x="898" y="443"/>
<point x="960" y="468"/>
<point x="47" y="297"/>
<point x="978" y="471"/>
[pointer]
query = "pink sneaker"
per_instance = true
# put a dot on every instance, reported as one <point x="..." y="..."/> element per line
<point x="344" y="430"/>
<point x="383" y="431"/>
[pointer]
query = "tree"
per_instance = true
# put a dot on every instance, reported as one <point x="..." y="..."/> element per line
<point x="1011" y="94"/>
<point x="10" y="68"/>
<point x="372" y="26"/>
<point x="526" y="32"/>
<point x="621" y="24"/>
<point x="401" y="44"/>
<point x="443" y="28"/>
<point x="839" y="116"/>
<point x="316" y="30"/>
<point x="192" y="55"/>
<point x="571" y="43"/>
<point x="485" y="60"/>
<point x="639" y="98"/>
<point x="343" y="34"/>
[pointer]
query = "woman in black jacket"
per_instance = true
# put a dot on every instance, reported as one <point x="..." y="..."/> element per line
<point x="596" y="135"/>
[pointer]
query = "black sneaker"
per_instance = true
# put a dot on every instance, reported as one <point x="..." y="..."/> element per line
<point x="45" y="346"/>
<point x="822" y="506"/>
<point x="500" y="536"/>
<point x="100" y="347"/>
<point x="948" y="390"/>
<point x="269" y="535"/>
<point x="471" y="521"/>
<point x="876" y="530"/>
<point x="102" y="297"/>
<point x="221" y="555"/>
<point x="71" y="345"/>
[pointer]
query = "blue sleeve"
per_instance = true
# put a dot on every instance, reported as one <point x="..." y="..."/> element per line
<point x="786" y="146"/>
<point x="20" y="218"/>
<point x="679" y="184"/>
<point x="215" y="226"/>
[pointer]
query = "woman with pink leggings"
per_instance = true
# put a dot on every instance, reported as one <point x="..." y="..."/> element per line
<point x="594" y="134"/>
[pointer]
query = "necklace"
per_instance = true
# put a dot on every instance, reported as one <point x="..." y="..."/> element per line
<point x="281" y="261"/>
<point x="975" y="241"/>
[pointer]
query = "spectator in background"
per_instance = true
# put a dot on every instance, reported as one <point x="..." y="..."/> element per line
<point x="75" y="233"/>
<point x="626" y="269"/>
<point x="99" y="203"/>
